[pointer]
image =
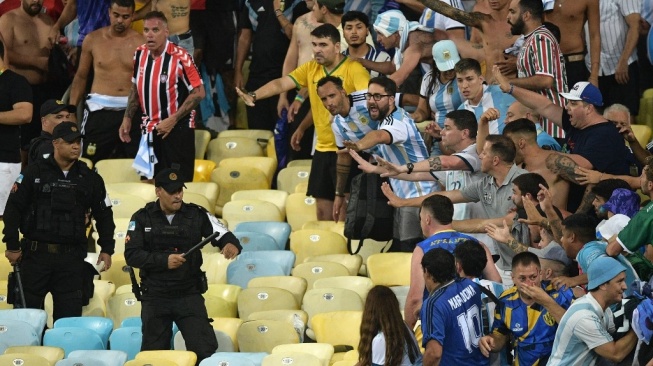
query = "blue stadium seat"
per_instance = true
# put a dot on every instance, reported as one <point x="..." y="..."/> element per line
<point x="102" y="326"/>
<point x="280" y="231"/>
<point x="35" y="317"/>
<point x="17" y="333"/>
<point x="73" y="339"/>
<point x="284" y="258"/>
<point x="253" y="241"/>
<point x="240" y="271"/>
<point x="94" y="358"/>
<point x="128" y="340"/>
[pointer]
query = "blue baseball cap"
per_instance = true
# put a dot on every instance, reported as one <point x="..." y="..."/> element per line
<point x="445" y="55"/>
<point x="586" y="92"/>
<point x="603" y="269"/>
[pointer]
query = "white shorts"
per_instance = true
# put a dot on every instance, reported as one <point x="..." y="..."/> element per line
<point x="8" y="174"/>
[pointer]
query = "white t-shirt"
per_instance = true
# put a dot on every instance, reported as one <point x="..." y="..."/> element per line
<point x="378" y="352"/>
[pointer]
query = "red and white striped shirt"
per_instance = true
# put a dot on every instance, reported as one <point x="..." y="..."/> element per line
<point x="163" y="83"/>
<point x="541" y="55"/>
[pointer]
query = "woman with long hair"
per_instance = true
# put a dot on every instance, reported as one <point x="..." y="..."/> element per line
<point x="385" y="339"/>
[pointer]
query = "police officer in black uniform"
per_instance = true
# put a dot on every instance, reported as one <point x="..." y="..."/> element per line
<point x="51" y="203"/>
<point x="53" y="112"/>
<point x="172" y="284"/>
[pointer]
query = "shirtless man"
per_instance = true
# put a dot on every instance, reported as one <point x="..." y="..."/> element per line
<point x="109" y="52"/>
<point x="178" y="14"/>
<point x="492" y="27"/>
<point x="25" y="33"/>
<point x="570" y="16"/>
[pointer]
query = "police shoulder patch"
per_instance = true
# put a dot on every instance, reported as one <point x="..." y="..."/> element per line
<point x="19" y="179"/>
<point x="132" y="226"/>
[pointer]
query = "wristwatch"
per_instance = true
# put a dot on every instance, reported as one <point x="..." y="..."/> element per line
<point x="253" y="95"/>
<point x="410" y="167"/>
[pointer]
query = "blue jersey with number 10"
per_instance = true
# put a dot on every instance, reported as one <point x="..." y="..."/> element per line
<point x="452" y="317"/>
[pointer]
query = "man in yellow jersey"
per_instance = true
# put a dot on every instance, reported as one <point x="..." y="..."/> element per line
<point x="327" y="61"/>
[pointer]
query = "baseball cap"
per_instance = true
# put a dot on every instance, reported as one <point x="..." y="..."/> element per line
<point x="335" y="6"/>
<point x="552" y="252"/>
<point x="445" y="55"/>
<point x="603" y="269"/>
<point x="52" y="106"/>
<point x="68" y="131"/>
<point x="586" y="92"/>
<point x="170" y="180"/>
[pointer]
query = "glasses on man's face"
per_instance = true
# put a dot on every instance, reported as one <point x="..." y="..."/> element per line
<point x="376" y="97"/>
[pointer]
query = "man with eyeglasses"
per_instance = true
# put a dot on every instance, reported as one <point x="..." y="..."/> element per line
<point x="398" y="141"/>
<point x="530" y="313"/>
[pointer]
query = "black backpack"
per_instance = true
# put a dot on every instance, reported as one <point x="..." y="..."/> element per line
<point x="368" y="212"/>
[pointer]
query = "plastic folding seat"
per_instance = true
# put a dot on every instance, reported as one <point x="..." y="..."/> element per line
<point x="217" y="307"/>
<point x="208" y="189"/>
<point x="268" y="165"/>
<point x="232" y="147"/>
<point x="299" y="162"/>
<point x="265" y="298"/>
<point x="280" y="231"/>
<point x="51" y="354"/>
<point x="358" y="284"/>
<point x="97" y="305"/>
<point x="150" y="361"/>
<point x="229" y="359"/>
<point x="345" y="363"/>
<point x="119" y="235"/>
<point x="35" y="317"/>
<point x="125" y="205"/>
<point x="262" y="136"/>
<point x="123" y="306"/>
<point x="324" y="300"/>
<point x="252" y="241"/>
<point x="132" y="321"/>
<point x="295" y="285"/>
<point x="642" y="133"/>
<point x="86" y="161"/>
<point x="352" y="262"/>
<point x="290" y="177"/>
<point x="127" y="339"/>
<point x="118" y="273"/>
<point x="301" y="188"/>
<point x="3" y="296"/>
<point x="202" y="138"/>
<point x="180" y="358"/>
<point x="264" y="335"/>
<point x="336" y="227"/>
<point x="117" y="170"/>
<point x="143" y="190"/>
<point x="338" y="328"/>
<point x="239" y="211"/>
<point x="215" y="265"/>
<point x="199" y="200"/>
<point x="286" y="358"/>
<point x="5" y="266"/>
<point x="27" y="359"/>
<point x="401" y="292"/>
<point x="293" y="317"/>
<point x="312" y="271"/>
<point x="322" y="351"/>
<point x="284" y="258"/>
<point x="278" y="198"/>
<point x="231" y="179"/>
<point x="300" y="209"/>
<point x="227" y="293"/>
<point x="225" y="344"/>
<point x="389" y="269"/>
<point x="73" y="339"/>
<point x="310" y="243"/>
<point x="102" y="326"/>
<point x="17" y="333"/>
<point x="227" y="327"/>
<point x="109" y="358"/>
<point x="240" y="271"/>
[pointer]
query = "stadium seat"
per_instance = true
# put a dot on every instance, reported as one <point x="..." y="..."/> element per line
<point x="264" y="298"/>
<point x="232" y="147"/>
<point x="73" y="339"/>
<point x="338" y="328"/>
<point x="35" y="317"/>
<point x="358" y="284"/>
<point x="300" y="162"/>
<point x="284" y="258"/>
<point x="228" y="293"/>
<point x="208" y="189"/>
<point x="117" y="170"/>
<point x="642" y="133"/>
<point x="239" y="211"/>
<point x="202" y="170"/>
<point x="323" y="300"/>
<point x="86" y="161"/>
<point x="215" y="265"/>
<point x="101" y="326"/>
<point x="289" y="177"/>
<point x="217" y="307"/>
<point x="264" y="335"/>
<point x="301" y="188"/>
<point x="17" y="333"/>
<point x="127" y="339"/>
<point x="180" y="358"/>
<point x="230" y="359"/>
<point x="252" y="241"/>
<point x="3" y="296"/>
<point x="401" y="292"/>
<point x="125" y="205"/>
<point x="51" y="354"/>
<point x="231" y="179"/>
<point x="280" y="231"/>
<point x="123" y="306"/>
<point x="345" y="363"/>
<point x="270" y="195"/>
<point x="229" y="327"/>
<point x="322" y="351"/>
<point x="389" y="269"/>
<point x="202" y="138"/>
<point x="110" y="358"/>
<point x="143" y="190"/>
<point x="265" y="164"/>
<point x="27" y="359"/>
<point x="285" y="315"/>
<point x="312" y="271"/>
<point x="352" y="262"/>
<point x="262" y="136"/>
<point x="119" y="235"/>
<point x="294" y="285"/>
<point x="284" y="358"/>
<point x="200" y="200"/>
<point x="225" y="344"/>
<point x="336" y="227"/>
<point x="240" y="271"/>
<point x="118" y="273"/>
<point x="299" y="210"/>
<point x="310" y="243"/>
<point x="97" y="305"/>
<point x="151" y="361"/>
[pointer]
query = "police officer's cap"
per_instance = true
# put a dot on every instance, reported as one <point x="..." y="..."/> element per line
<point x="67" y="131"/>
<point x="52" y="106"/>
<point x="170" y="180"/>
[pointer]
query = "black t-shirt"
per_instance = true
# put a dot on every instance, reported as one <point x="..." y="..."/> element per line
<point x="269" y="43"/>
<point x="13" y="89"/>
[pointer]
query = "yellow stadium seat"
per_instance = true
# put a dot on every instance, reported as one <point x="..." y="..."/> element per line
<point x="88" y="162"/>
<point x="200" y="200"/>
<point x="23" y="359"/>
<point x="337" y="328"/>
<point x="208" y="189"/>
<point x="151" y="361"/>
<point x="215" y="265"/>
<point x="119" y="235"/>
<point x="301" y="188"/>
<point x="228" y="293"/>
<point x="145" y="191"/>
<point x="360" y="285"/>
<point x="265" y="164"/>
<point x="642" y="133"/>
<point x="290" y="177"/>
<point x="118" y="273"/>
<point x="122" y="306"/>
<point x="97" y="305"/>
<point x="271" y="151"/>
<point x="389" y="269"/>
<point x="232" y="179"/>
<point x="228" y="326"/>
<point x="322" y="351"/>
<point x="117" y="170"/>
<point x="239" y="211"/>
<point x="300" y="209"/>
<point x="324" y="300"/>
<point x="217" y="307"/>
<point x="203" y="170"/>
<point x="264" y="298"/>
<point x="125" y="205"/>
<point x="3" y="296"/>
<point x="181" y="358"/>
<point x="295" y="285"/>
<point x="299" y="162"/>
<point x="262" y="136"/>
<point x="284" y="315"/>
<point x="352" y="262"/>
<point x="264" y="335"/>
<point x="345" y="363"/>
<point x="232" y="147"/>
<point x="278" y="198"/>
<point x="336" y="227"/>
<point x="202" y="138"/>
<point x="312" y="271"/>
<point x="284" y="358"/>
<point x="51" y="354"/>
<point x="308" y="243"/>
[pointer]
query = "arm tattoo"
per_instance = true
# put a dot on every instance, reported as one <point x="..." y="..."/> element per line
<point x="473" y="19"/>
<point x="586" y="202"/>
<point x="556" y="228"/>
<point x="189" y="104"/>
<point x="562" y="165"/>
<point x="435" y="164"/>
<point x="517" y="246"/>
<point x="342" y="174"/>
<point x="132" y="103"/>
<point x="477" y="46"/>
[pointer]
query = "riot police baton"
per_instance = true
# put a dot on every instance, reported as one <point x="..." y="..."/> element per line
<point x="201" y="244"/>
<point x="19" y="283"/>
